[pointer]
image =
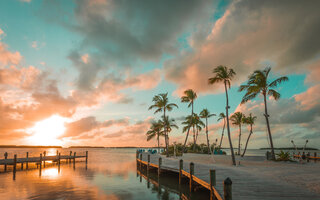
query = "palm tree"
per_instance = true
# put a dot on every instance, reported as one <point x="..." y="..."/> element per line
<point x="155" y="130"/>
<point x="161" y="103"/>
<point x="250" y="121"/>
<point x="191" y="121"/>
<point x="224" y="75"/>
<point x="237" y="119"/>
<point x="258" y="84"/>
<point x="222" y="116"/>
<point x="168" y="124"/>
<point x="198" y="125"/>
<point x="206" y="114"/>
<point x="190" y="97"/>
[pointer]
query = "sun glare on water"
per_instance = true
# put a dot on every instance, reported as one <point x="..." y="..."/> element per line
<point x="46" y="132"/>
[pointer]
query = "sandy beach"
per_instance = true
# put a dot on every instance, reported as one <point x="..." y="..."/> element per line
<point x="301" y="175"/>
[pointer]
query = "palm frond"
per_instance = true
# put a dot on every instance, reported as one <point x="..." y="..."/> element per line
<point x="278" y="81"/>
<point x="274" y="94"/>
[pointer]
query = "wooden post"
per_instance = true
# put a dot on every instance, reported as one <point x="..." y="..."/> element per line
<point x="227" y="189"/>
<point x="70" y="156"/>
<point x="14" y="163"/>
<point x="191" y="174"/>
<point x="159" y="167"/>
<point x="22" y="166"/>
<point x="86" y="157"/>
<point x="180" y="170"/>
<point x="212" y="183"/>
<point x="5" y="157"/>
<point x="44" y="160"/>
<point x="27" y="156"/>
<point x="14" y="166"/>
<point x="303" y="155"/>
<point x="315" y="156"/>
<point x="308" y="157"/>
<point x="148" y="166"/>
<point x="59" y="155"/>
<point x="140" y="161"/>
<point x="137" y="154"/>
<point x="40" y="161"/>
<point x="74" y="157"/>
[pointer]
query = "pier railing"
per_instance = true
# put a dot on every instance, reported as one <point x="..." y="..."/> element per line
<point x="214" y="194"/>
<point x="306" y="156"/>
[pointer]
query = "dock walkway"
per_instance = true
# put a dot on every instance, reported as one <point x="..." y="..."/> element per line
<point x="244" y="185"/>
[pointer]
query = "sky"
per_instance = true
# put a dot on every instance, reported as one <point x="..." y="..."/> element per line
<point x="84" y="72"/>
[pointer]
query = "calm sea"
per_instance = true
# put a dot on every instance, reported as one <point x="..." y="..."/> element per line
<point x="110" y="174"/>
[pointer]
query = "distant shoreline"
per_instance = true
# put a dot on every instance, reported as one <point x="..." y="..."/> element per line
<point x="291" y="148"/>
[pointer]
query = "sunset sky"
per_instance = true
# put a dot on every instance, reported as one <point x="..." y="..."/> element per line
<point x="84" y="72"/>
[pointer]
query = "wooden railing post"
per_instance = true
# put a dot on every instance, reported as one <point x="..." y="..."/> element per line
<point x="212" y="183"/>
<point x="308" y="157"/>
<point x="70" y="156"/>
<point x="191" y="174"/>
<point x="180" y="170"/>
<point x="159" y="167"/>
<point x="137" y="154"/>
<point x="14" y="166"/>
<point x="27" y="156"/>
<point x="315" y="156"/>
<point x="86" y="157"/>
<point x="227" y="189"/>
<point x="14" y="163"/>
<point x="5" y="157"/>
<point x="74" y="158"/>
<point x="44" y="160"/>
<point x="40" y="161"/>
<point x="59" y="155"/>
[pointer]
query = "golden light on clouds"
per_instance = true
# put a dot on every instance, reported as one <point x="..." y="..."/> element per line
<point x="47" y="131"/>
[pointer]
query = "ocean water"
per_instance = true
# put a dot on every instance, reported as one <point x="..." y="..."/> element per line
<point x="109" y="174"/>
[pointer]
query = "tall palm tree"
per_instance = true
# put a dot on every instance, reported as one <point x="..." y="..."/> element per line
<point x="237" y="119"/>
<point x="189" y="97"/>
<point x="169" y="124"/>
<point x="206" y="114"/>
<point x="222" y="116"/>
<point x="258" y="83"/>
<point x="224" y="75"/>
<point x="250" y="121"/>
<point x="155" y="130"/>
<point x="161" y="103"/>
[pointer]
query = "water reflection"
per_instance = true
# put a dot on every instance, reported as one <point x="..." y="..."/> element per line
<point x="109" y="174"/>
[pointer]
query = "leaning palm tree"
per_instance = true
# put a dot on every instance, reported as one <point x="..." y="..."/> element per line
<point x="189" y="97"/>
<point x="168" y="124"/>
<point x="250" y="121"/>
<point x="191" y="121"/>
<point x="155" y="130"/>
<point x="206" y="114"/>
<point x="237" y="119"/>
<point x="224" y="75"/>
<point x="222" y="116"/>
<point x="198" y="126"/>
<point x="258" y="83"/>
<point x="161" y="103"/>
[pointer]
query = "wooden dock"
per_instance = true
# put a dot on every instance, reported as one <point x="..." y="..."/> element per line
<point x="244" y="185"/>
<point x="40" y="161"/>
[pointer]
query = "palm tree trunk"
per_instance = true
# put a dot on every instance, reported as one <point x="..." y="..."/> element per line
<point x="194" y="139"/>
<point x="228" y="126"/>
<point x="165" y="133"/>
<point x="207" y="136"/>
<point x="224" y="125"/>
<point x="268" y="126"/>
<point x="158" y="143"/>
<point x="239" y="147"/>
<point x="185" y="141"/>
<point x="245" y="148"/>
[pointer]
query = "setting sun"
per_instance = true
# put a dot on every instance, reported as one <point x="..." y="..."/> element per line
<point x="47" y="131"/>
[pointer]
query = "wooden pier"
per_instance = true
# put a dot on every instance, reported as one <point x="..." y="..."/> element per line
<point x="244" y="185"/>
<point x="39" y="161"/>
<point x="183" y="174"/>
